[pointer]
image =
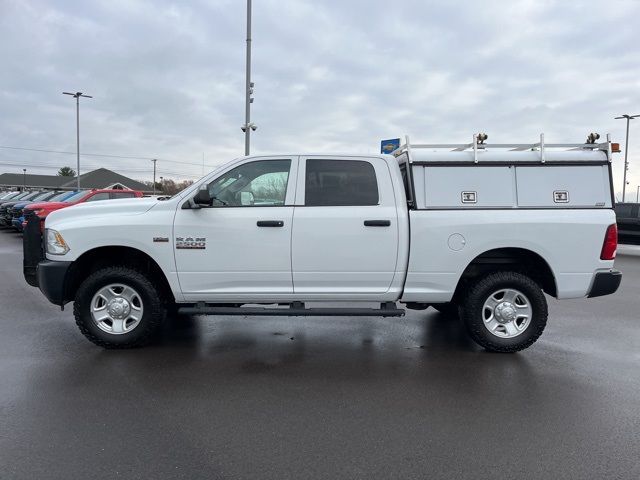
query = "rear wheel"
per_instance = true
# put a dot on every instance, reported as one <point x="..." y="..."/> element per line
<point x="118" y="307"/>
<point x="505" y="311"/>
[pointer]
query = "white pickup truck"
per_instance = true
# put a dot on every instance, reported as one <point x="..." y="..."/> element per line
<point x="480" y="231"/>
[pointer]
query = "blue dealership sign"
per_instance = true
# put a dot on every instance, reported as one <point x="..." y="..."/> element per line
<point x="388" y="146"/>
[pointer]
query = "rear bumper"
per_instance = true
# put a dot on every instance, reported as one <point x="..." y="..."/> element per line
<point x="605" y="283"/>
<point x="51" y="280"/>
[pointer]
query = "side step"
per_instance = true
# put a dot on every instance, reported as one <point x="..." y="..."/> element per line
<point x="296" y="309"/>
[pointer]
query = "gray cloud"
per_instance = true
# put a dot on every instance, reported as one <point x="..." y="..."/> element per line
<point x="330" y="76"/>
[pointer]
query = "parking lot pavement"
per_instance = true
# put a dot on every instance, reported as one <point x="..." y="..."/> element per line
<point x="319" y="397"/>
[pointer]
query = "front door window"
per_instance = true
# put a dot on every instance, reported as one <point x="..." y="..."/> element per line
<point x="258" y="184"/>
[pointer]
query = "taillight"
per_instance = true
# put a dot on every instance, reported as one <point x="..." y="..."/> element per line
<point x="610" y="244"/>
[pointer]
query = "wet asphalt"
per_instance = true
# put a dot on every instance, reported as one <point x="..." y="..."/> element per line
<point x="298" y="398"/>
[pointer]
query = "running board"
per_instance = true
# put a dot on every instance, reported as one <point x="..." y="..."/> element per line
<point x="297" y="309"/>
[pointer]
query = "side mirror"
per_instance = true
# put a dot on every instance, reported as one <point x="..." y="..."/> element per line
<point x="202" y="198"/>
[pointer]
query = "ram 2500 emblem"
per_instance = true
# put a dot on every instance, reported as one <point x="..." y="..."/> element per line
<point x="191" y="243"/>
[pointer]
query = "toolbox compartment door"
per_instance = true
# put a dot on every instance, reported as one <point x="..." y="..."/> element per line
<point x="551" y="186"/>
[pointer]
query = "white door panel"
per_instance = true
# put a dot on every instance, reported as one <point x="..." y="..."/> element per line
<point x="241" y="245"/>
<point x="332" y="249"/>
<point x="334" y="252"/>
<point x="239" y="257"/>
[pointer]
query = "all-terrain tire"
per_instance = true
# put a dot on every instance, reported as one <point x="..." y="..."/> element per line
<point x="150" y="322"/>
<point x="473" y="316"/>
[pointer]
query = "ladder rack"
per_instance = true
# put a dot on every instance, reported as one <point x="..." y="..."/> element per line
<point x="477" y="145"/>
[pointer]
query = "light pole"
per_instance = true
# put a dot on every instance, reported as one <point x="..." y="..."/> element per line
<point x="626" y="152"/>
<point x="77" y="96"/>
<point x="248" y="126"/>
<point x="24" y="179"/>
<point x="638" y="194"/>
<point x="161" y="185"/>
<point x="154" y="174"/>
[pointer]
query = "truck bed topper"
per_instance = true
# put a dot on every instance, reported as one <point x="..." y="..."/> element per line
<point x="508" y="175"/>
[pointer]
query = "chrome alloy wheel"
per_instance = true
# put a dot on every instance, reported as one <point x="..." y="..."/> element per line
<point x="116" y="309"/>
<point x="507" y="313"/>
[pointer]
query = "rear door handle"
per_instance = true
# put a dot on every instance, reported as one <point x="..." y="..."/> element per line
<point x="377" y="223"/>
<point x="270" y="223"/>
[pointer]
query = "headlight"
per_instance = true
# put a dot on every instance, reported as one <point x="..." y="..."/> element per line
<point x="55" y="243"/>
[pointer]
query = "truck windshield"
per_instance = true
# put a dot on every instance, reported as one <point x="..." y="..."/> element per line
<point x="20" y="196"/>
<point x="42" y="196"/>
<point x="61" y="196"/>
<point x="77" y="196"/>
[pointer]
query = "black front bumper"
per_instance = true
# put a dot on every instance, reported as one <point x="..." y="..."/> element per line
<point x="605" y="283"/>
<point x="51" y="280"/>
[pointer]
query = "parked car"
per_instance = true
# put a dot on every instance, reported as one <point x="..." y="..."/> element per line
<point x="5" y="208"/>
<point x="483" y="230"/>
<point x="8" y="195"/>
<point x="628" y="218"/>
<point x="43" y="209"/>
<point x="14" y="196"/>
<point x="13" y="208"/>
<point x="17" y="210"/>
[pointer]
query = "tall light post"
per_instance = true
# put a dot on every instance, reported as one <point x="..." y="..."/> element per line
<point x="77" y="96"/>
<point x="248" y="126"/>
<point x="626" y="152"/>
<point x="154" y="174"/>
<point x="24" y="179"/>
<point x="638" y="194"/>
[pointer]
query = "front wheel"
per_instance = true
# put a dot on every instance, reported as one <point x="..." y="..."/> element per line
<point x="505" y="311"/>
<point x="118" y="307"/>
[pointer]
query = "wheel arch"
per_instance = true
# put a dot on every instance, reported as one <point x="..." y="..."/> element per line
<point x="522" y="260"/>
<point x="112" y="255"/>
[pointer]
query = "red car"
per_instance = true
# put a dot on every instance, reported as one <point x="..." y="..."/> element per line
<point x="45" y="208"/>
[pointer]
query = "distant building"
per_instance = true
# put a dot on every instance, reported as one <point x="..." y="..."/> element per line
<point x="100" y="178"/>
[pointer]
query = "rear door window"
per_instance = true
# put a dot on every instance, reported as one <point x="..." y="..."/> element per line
<point x="340" y="183"/>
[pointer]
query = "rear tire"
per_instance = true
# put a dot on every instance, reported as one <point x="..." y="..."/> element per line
<point x="118" y="307"/>
<point x="504" y="312"/>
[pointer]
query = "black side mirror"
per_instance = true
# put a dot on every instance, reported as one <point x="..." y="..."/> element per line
<point x="202" y="198"/>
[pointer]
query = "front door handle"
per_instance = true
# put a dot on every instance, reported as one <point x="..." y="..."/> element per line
<point x="377" y="223"/>
<point x="270" y="223"/>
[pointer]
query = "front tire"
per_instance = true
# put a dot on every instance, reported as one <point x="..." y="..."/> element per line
<point x="505" y="311"/>
<point x="118" y="307"/>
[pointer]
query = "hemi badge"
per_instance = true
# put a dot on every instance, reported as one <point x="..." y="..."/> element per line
<point x="161" y="239"/>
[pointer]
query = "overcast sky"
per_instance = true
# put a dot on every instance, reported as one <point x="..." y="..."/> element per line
<point x="168" y="78"/>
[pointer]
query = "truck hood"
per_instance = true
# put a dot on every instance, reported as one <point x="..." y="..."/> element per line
<point x="102" y="208"/>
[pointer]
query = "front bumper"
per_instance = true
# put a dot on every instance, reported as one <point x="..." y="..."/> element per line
<point x="51" y="280"/>
<point x="605" y="283"/>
